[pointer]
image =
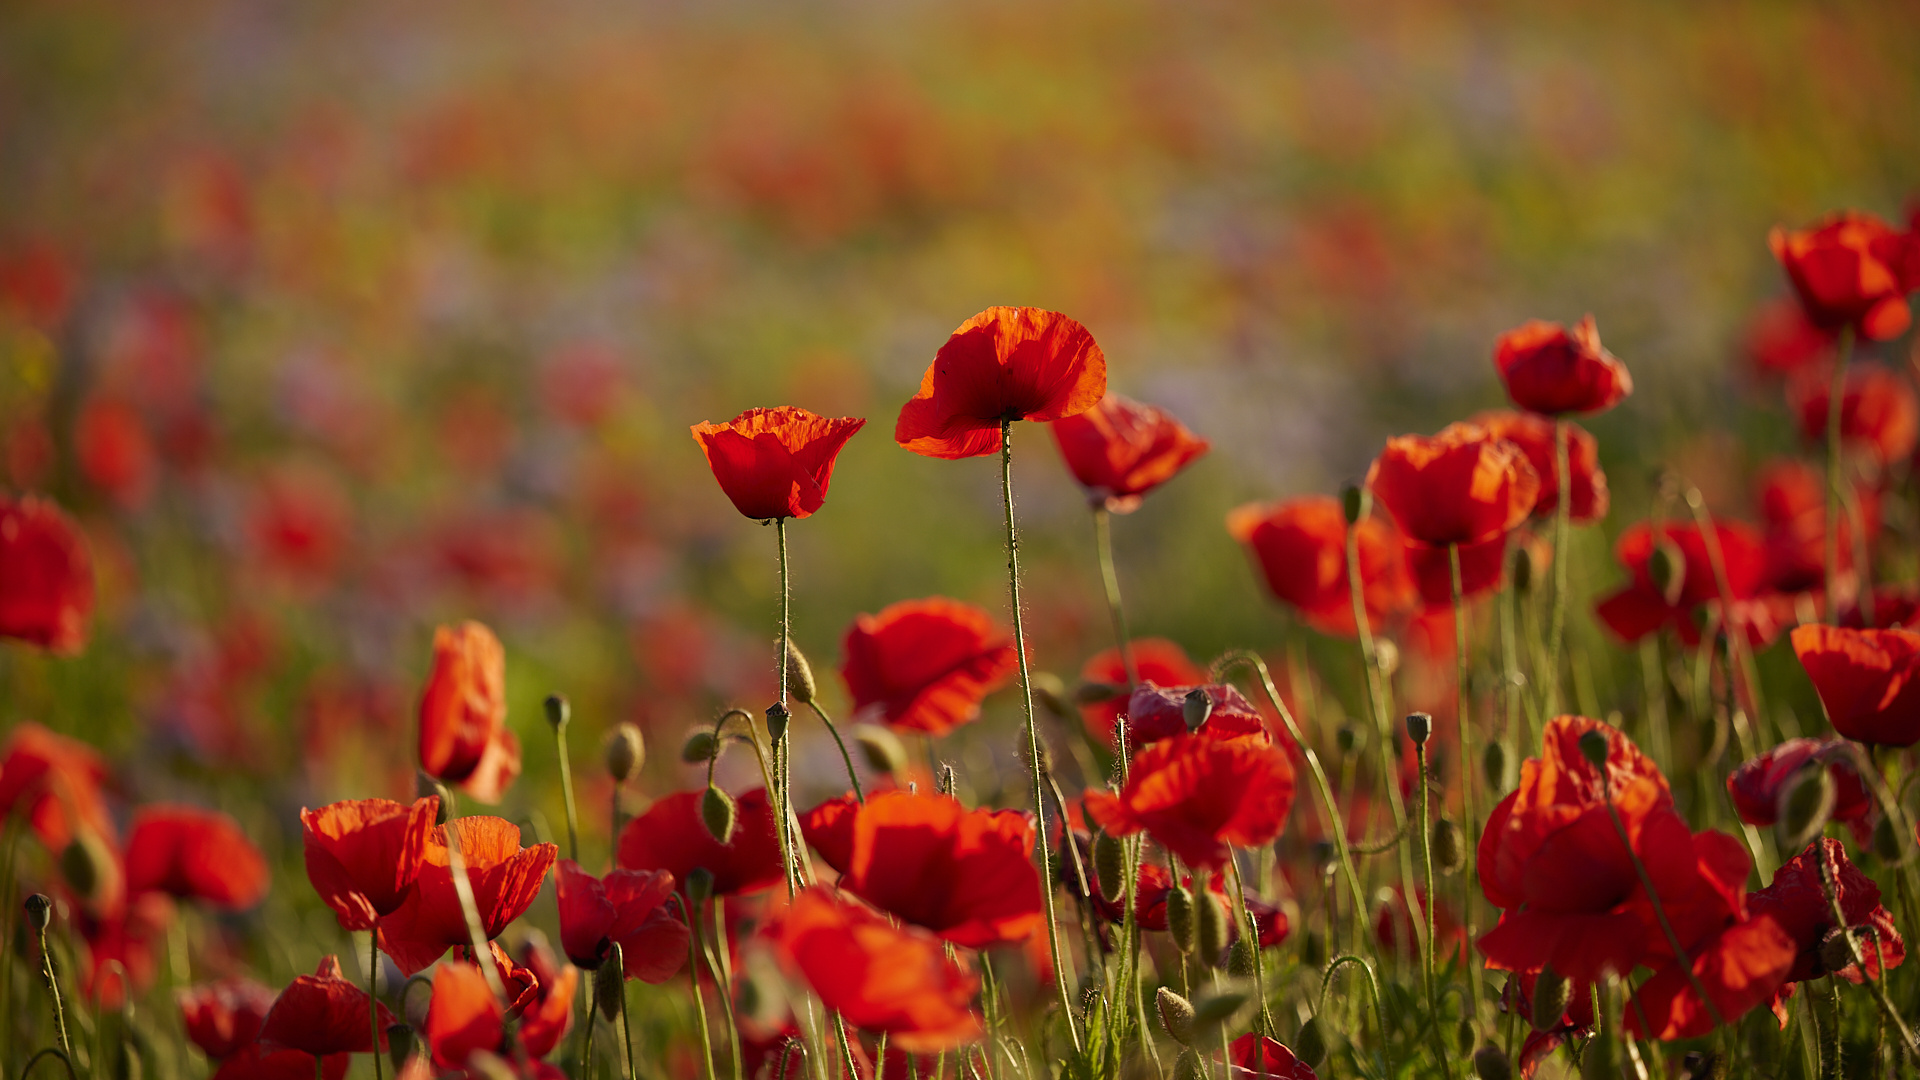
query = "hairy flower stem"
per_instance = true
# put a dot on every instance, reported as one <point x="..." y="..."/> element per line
<point x="1562" y="529"/>
<point x="845" y="758"/>
<point x="1469" y="764"/>
<point x="1427" y="947"/>
<point x="1033" y="736"/>
<point x="53" y="987"/>
<point x="558" y="714"/>
<point x="782" y="755"/>
<point x="1875" y="983"/>
<point x="373" y="998"/>
<point x="1109" y="577"/>
<point x="1836" y="397"/>
<point x="1252" y="932"/>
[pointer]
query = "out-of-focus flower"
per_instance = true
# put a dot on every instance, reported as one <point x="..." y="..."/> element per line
<point x="1851" y="269"/>
<point x="1483" y="566"/>
<point x="1461" y="486"/>
<point x="260" y="1061"/>
<point x="1155" y="660"/>
<point x="1254" y="1056"/>
<point x="580" y="383"/>
<point x="883" y="978"/>
<point x="1159" y="712"/>
<point x="1781" y="339"/>
<point x="625" y="908"/>
<point x="505" y="879"/>
<point x="925" y="665"/>
<point x="324" y="1013"/>
<point x="1894" y="606"/>
<point x="1756" y="786"/>
<point x="122" y="941"/>
<point x="671" y="836"/>
<point x="1879" y="414"/>
<point x="223" y="1018"/>
<point x="1300" y="549"/>
<point x="1121" y="449"/>
<point x="1867" y="679"/>
<point x="55" y="781"/>
<point x="46" y="576"/>
<point x="465" y="1017"/>
<point x="37" y="283"/>
<point x="775" y="463"/>
<point x="464" y="739"/>
<point x="194" y="854"/>
<point x="1793" y="507"/>
<point x="1645" y="605"/>
<point x="299" y="522"/>
<point x="966" y="875"/>
<point x="1533" y="434"/>
<point x="363" y="855"/>
<point x="1552" y="370"/>
<point x="114" y="451"/>
<point x="1201" y="796"/>
<point x="1006" y="363"/>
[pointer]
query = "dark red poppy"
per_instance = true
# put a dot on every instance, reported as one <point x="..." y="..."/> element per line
<point x="55" y="781"/>
<point x="194" y="854"/>
<point x="671" y="837"/>
<point x="1851" y="269"/>
<point x="883" y="978"/>
<point x="1894" y="606"/>
<point x="1159" y="712"/>
<point x="1645" y="605"/>
<point x="505" y="879"/>
<point x="1534" y="435"/>
<point x="1483" y="566"/>
<point x="1866" y="679"/>
<point x="1461" y="486"/>
<point x="223" y="1018"/>
<point x="1300" y="548"/>
<point x="1121" y="449"/>
<point x="259" y="1061"/>
<point x="1256" y="1057"/>
<point x="925" y="665"/>
<point x="1006" y="363"/>
<point x="1781" y="339"/>
<point x="1740" y="968"/>
<point x="324" y="1013"/>
<point x="464" y="739"/>
<point x="363" y="855"/>
<point x="1879" y="414"/>
<point x="1550" y="369"/>
<point x="966" y="875"/>
<point x="775" y="463"/>
<point x="1793" y="506"/>
<point x="46" y="576"/>
<point x="626" y="908"/>
<point x="1797" y="900"/>
<point x="1757" y="785"/>
<point x="464" y="1016"/>
<point x="1200" y="796"/>
<point x="1155" y="660"/>
<point x="114" y="451"/>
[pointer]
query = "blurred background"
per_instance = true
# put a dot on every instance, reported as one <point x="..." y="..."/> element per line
<point x="332" y="322"/>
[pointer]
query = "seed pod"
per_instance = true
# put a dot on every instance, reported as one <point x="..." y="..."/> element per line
<point x="1180" y="917"/>
<point x="1593" y="747"/>
<point x="1493" y="766"/>
<point x="1210" y="925"/>
<point x="1196" y="707"/>
<point x="1419" y="728"/>
<point x="699" y="885"/>
<point x="800" y="684"/>
<point x="625" y="752"/>
<point x="558" y="711"/>
<point x="1188" y="1066"/>
<point x="1240" y="958"/>
<point x="1490" y="1064"/>
<point x="1176" y="1015"/>
<point x="949" y="779"/>
<point x="717" y="813"/>
<point x="1550" y="994"/>
<point x="1463" y="1037"/>
<point x="610" y="984"/>
<point x="884" y="751"/>
<point x="1806" y="804"/>
<point x="400" y="1043"/>
<point x="778" y="717"/>
<point x="1355" y="502"/>
<point x="700" y="746"/>
<point x="1110" y="866"/>
<point x="39" y="911"/>
<point x="1449" y="851"/>
<point x="1310" y="1045"/>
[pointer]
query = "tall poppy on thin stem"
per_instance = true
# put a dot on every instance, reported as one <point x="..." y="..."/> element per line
<point x="1002" y="365"/>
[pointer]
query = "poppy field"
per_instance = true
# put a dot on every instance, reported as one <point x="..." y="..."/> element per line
<point x="959" y="541"/>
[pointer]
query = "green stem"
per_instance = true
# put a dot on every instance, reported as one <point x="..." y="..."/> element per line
<point x="1875" y="983"/>
<point x="1103" y="546"/>
<point x="469" y="909"/>
<point x="49" y="1051"/>
<point x="1836" y="397"/>
<point x="1469" y="765"/>
<point x="699" y="999"/>
<point x="373" y="998"/>
<point x="1033" y="736"/>
<point x="1830" y="1060"/>
<point x="558" y="714"/>
<point x="1562" y="527"/>
<point x="722" y="967"/>
<point x="53" y="987"/>
<point x="1426" y="863"/>
<point x="845" y="758"/>
<point x="1653" y="898"/>
<point x="1252" y="934"/>
<point x="782" y="750"/>
<point x="626" y="1028"/>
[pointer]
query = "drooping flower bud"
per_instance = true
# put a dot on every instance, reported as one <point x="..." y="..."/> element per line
<point x="400" y="1043"/>
<point x="1176" y="1015"/>
<point x="1419" y="728"/>
<point x="625" y="752"/>
<point x="1093" y="693"/>
<point x="884" y="751"/>
<point x="800" y="684"/>
<point x="1219" y="1006"/>
<point x="1600" y="1060"/>
<point x="1347" y="738"/>
<point x="1310" y="1045"/>
<point x="89" y="867"/>
<point x="1051" y="694"/>
<point x="609" y="984"/>
<point x="1522" y="570"/>
<point x="1888" y="844"/>
<point x="1806" y="804"/>
<point x="1209" y="924"/>
<point x="699" y="885"/>
<point x="1667" y="567"/>
<point x="1489" y="1063"/>
<point x="1180" y="917"/>
<point x="1550" y="995"/>
<point x="1355" y="503"/>
<point x="559" y="711"/>
<point x="1110" y="866"/>
<point x="1386" y="657"/>
<point x="700" y="746"/>
<point x="39" y="911"/>
<point x="1493" y="766"/>
<point x="1593" y="747"/>
<point x="1449" y="852"/>
<point x="1197" y="706"/>
<point x="717" y="813"/>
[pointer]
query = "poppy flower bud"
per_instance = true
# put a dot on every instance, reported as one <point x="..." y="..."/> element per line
<point x="1836" y="951"/>
<point x="700" y="746"/>
<point x="1310" y="1045"/>
<point x="1197" y="706"/>
<point x="400" y="1043"/>
<point x="1887" y="845"/>
<point x="1188" y="1066"/>
<point x="1219" y="1007"/>
<point x="88" y="866"/>
<point x="1180" y="917"/>
<point x="1448" y="853"/>
<point x="800" y="684"/>
<point x="1493" y="765"/>
<point x="1419" y="727"/>
<point x="699" y="885"/>
<point x="884" y="751"/>
<point x="1346" y="738"/>
<point x="1667" y="568"/>
<point x="1176" y="1015"/>
<point x="1110" y="866"/>
<point x="626" y="751"/>
<point x="1593" y="747"/>
<point x="1093" y="693"/>
<point x="1240" y="959"/>
<point x="558" y="711"/>
<point x="1806" y="804"/>
<point x="1210" y="925"/>
<point x="1490" y="1064"/>
<point x="1600" y="1060"/>
<point x="778" y="716"/>
<point x="39" y="911"/>
<point x="1521" y="573"/>
<point x="1463" y="1036"/>
<point x="1550" y="994"/>
<point x="717" y="813"/>
<point x="1355" y="502"/>
<point x="609" y="981"/>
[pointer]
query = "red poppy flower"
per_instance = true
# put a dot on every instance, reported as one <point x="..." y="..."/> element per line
<point x="194" y="854"/>
<point x="1866" y="680"/>
<point x="1781" y="339"/>
<point x="1793" y="506"/>
<point x="925" y="665"/>
<point x="1797" y="900"/>
<point x="1533" y="434"/>
<point x="1739" y="968"/>
<point x="122" y="941"/>
<point x="1199" y="795"/>
<point x="1894" y="607"/>
<point x="258" y="1061"/>
<point x="1300" y="548"/>
<point x="464" y="1016"/>
<point x="324" y="1013"/>
<point x="883" y="978"/>
<point x="1006" y="363"/>
<point x="300" y="522"/>
<point x="1643" y="606"/>
<point x="38" y="282"/>
<point x="626" y="908"/>
<point x="114" y="451"/>
<point x="1550" y="369"/>
<point x="505" y="879"/>
<point x="1756" y="786"/>
<point x="1157" y="712"/>
<point x="1483" y="566"/>
<point x="1255" y="1056"/>
<point x="46" y="576"/>
<point x="1850" y="270"/>
<point x="1155" y="660"/>
<point x="775" y="463"/>
<point x="464" y="739"/>
<point x="670" y="837"/>
<point x="1879" y="415"/>
<point x="1121" y="449"/>
<point x="223" y="1018"/>
<point x="1461" y="486"/>
<point x="363" y="855"/>
<point x="55" y="781"/>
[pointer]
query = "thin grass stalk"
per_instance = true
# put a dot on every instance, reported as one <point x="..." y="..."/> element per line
<point x="1110" y="578"/>
<point x="1252" y="935"/>
<point x="846" y="759"/>
<point x="693" y="979"/>
<point x="1562" y="529"/>
<point x="470" y="910"/>
<point x="373" y="998"/>
<point x="782" y="750"/>
<point x="722" y="967"/>
<point x="1836" y="397"/>
<point x="1463" y="717"/>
